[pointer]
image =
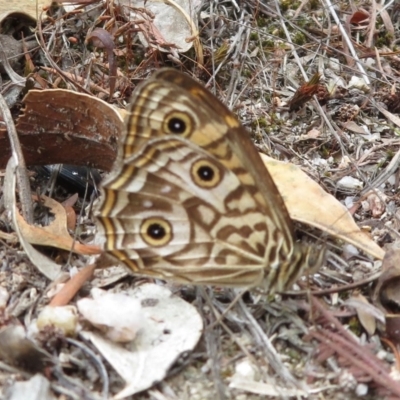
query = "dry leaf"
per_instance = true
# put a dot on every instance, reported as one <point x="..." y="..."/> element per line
<point x="353" y="127"/>
<point x="36" y="388"/>
<point x="174" y="23"/>
<point x="359" y="17"/>
<point x="56" y="233"/>
<point x="172" y="326"/>
<point x="387" y="290"/>
<point x="307" y="202"/>
<point x="46" y="266"/>
<point x="366" y="312"/>
<point x="64" y="319"/>
<point x="376" y="203"/>
<point x="117" y="315"/>
<point x="70" y="212"/>
<point x="305" y="93"/>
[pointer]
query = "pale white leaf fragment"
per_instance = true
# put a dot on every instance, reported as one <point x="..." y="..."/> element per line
<point x="246" y="370"/>
<point x="358" y="83"/>
<point x="349" y="251"/>
<point x="313" y="133"/>
<point x="4" y="296"/>
<point x="265" y="389"/>
<point x="36" y="388"/>
<point x="344" y="162"/>
<point x="118" y="315"/>
<point x="350" y="183"/>
<point x="361" y="390"/>
<point x="171" y="327"/>
<point x="173" y="22"/>
<point x="64" y="318"/>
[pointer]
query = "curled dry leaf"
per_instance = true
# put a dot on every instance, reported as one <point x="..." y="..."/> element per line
<point x="387" y="292"/>
<point x="70" y="212"/>
<point x="101" y="38"/>
<point x="56" y="233"/>
<point x="376" y="203"/>
<point x="359" y="16"/>
<point x="366" y="312"/>
<point x="307" y="202"/>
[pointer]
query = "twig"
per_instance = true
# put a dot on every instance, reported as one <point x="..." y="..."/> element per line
<point x="345" y="345"/>
<point x="272" y="355"/>
<point x="22" y="175"/>
<point x="385" y="174"/>
<point x="348" y="41"/>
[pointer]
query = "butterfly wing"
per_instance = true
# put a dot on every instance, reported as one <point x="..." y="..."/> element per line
<point x="175" y="211"/>
<point x="236" y="232"/>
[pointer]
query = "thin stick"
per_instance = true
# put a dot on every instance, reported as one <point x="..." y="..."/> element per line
<point x="22" y="175"/>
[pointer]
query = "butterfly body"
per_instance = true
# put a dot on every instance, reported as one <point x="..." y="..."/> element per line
<point x="189" y="198"/>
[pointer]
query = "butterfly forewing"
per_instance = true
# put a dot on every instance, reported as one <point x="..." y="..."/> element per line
<point x="189" y="197"/>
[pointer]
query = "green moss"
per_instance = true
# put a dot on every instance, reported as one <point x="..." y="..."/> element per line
<point x="299" y="39"/>
<point x="247" y="73"/>
<point x="289" y="5"/>
<point x="254" y="36"/>
<point x="262" y="22"/>
<point x="390" y="154"/>
<point x="262" y="123"/>
<point x="295" y="123"/>
<point x="268" y="45"/>
<point x="303" y="22"/>
<point x="281" y="34"/>
<point x="294" y="354"/>
<point x="354" y="326"/>
<point x="384" y="40"/>
<point x="267" y="97"/>
<point x="325" y="152"/>
<point x="284" y="5"/>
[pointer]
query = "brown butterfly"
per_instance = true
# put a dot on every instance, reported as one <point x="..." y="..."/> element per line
<point x="189" y="198"/>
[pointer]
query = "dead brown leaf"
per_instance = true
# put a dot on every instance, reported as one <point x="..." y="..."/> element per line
<point x="307" y="202"/>
<point x="56" y="233"/>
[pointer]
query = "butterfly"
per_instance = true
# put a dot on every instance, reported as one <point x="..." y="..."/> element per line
<point x="189" y="198"/>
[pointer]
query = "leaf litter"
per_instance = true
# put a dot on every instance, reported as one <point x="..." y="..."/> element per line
<point x="260" y="59"/>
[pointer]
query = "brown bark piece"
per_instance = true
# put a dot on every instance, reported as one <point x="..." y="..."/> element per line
<point x="61" y="126"/>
